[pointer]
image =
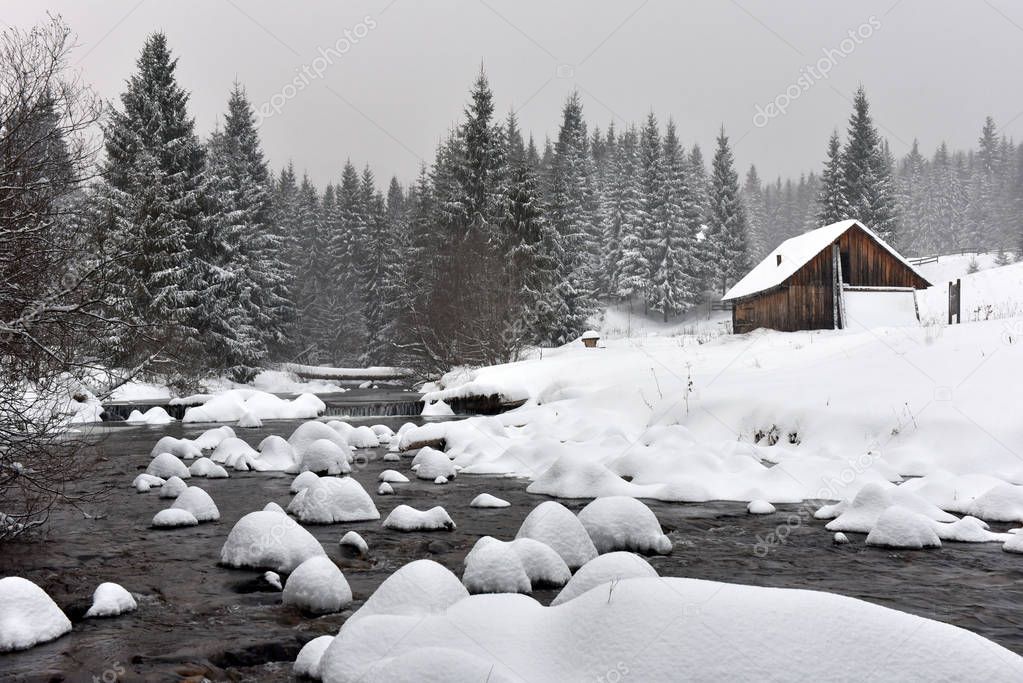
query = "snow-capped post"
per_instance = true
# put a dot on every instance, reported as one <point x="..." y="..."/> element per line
<point x="590" y="338"/>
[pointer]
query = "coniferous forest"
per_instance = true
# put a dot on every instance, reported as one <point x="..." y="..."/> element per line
<point x="213" y="262"/>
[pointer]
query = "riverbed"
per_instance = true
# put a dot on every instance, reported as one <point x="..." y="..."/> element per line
<point x="197" y="619"/>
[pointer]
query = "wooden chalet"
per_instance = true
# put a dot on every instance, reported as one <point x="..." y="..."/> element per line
<point x="828" y="278"/>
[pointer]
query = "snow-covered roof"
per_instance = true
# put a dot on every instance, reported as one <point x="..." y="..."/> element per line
<point x="795" y="253"/>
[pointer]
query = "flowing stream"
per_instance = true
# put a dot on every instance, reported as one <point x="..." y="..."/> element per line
<point x="197" y="619"/>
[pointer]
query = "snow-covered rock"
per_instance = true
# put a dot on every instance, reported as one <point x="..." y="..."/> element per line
<point x="233" y="452"/>
<point x="440" y="481"/>
<point x="437" y="408"/>
<point x="862" y="512"/>
<point x="302" y="481"/>
<point x="393" y="477"/>
<point x="173" y="487"/>
<point x="583" y="638"/>
<point x="154" y="416"/>
<point x="406" y="518"/>
<point x="166" y="465"/>
<point x="553" y="524"/>
<point x="363" y="437"/>
<point x="268" y="540"/>
<point x="144" y="482"/>
<point x="1013" y="544"/>
<point x="317" y="586"/>
<point x="485" y="500"/>
<point x="329" y="500"/>
<point x="233" y="404"/>
<point x="324" y="456"/>
<point x="183" y="448"/>
<point x="354" y="540"/>
<point x="274" y="579"/>
<point x="110" y="600"/>
<point x="418" y="588"/>
<point x="307" y="663"/>
<point x="898" y="527"/>
<point x="249" y="420"/>
<point x="204" y="467"/>
<point x="276" y="454"/>
<point x="760" y="507"/>
<point x="383" y="432"/>
<point x="1003" y="503"/>
<point x="576" y="475"/>
<point x="211" y="438"/>
<point x="308" y="432"/>
<point x="839" y="538"/>
<point x="604" y="569"/>
<point x="967" y="530"/>
<point x="172" y="518"/>
<point x="542" y="565"/>
<point x="623" y="523"/>
<point x="493" y="567"/>
<point x="385" y="489"/>
<point x="430" y="463"/>
<point x="28" y="616"/>
<point x="198" y="502"/>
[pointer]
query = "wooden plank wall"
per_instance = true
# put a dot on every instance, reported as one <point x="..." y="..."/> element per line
<point x="804" y="301"/>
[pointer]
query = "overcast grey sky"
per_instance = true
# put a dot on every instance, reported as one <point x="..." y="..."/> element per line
<point x="399" y="71"/>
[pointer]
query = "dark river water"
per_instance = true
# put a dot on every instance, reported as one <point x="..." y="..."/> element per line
<point x="196" y="619"/>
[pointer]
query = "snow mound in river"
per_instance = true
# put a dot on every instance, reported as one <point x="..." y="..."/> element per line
<point x="898" y="527"/>
<point x="268" y="540"/>
<point x="28" y="616"/>
<point x="580" y="639"/>
<point x="416" y="589"/>
<point x="110" y="600"/>
<point x="407" y="518"/>
<point x="553" y="524"/>
<point x="317" y="586"/>
<point x="604" y="569"/>
<point x="329" y="500"/>
<point x="623" y="523"/>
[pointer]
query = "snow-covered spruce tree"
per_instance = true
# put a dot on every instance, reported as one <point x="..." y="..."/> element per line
<point x="753" y="197"/>
<point x="153" y="205"/>
<point x="340" y="325"/>
<point x="832" y="202"/>
<point x="311" y="215"/>
<point x="571" y="206"/>
<point x="532" y="246"/>
<point x="377" y="243"/>
<point x="949" y="201"/>
<point x="393" y="283"/>
<point x="985" y="217"/>
<point x="867" y="174"/>
<point x="622" y="246"/>
<point x="651" y="182"/>
<point x="676" y="221"/>
<point x="915" y="237"/>
<point x="466" y="309"/>
<point x="255" y="277"/>
<point x="726" y="219"/>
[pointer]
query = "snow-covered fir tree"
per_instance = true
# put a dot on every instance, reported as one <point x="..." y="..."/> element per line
<point x="152" y="202"/>
<point x="676" y="221"/>
<point x="727" y="229"/>
<point x="867" y="174"/>
<point x="253" y="292"/>
<point x="570" y="206"/>
<point x="832" y="201"/>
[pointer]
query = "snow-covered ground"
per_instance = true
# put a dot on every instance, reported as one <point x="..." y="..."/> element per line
<point x="777" y="417"/>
